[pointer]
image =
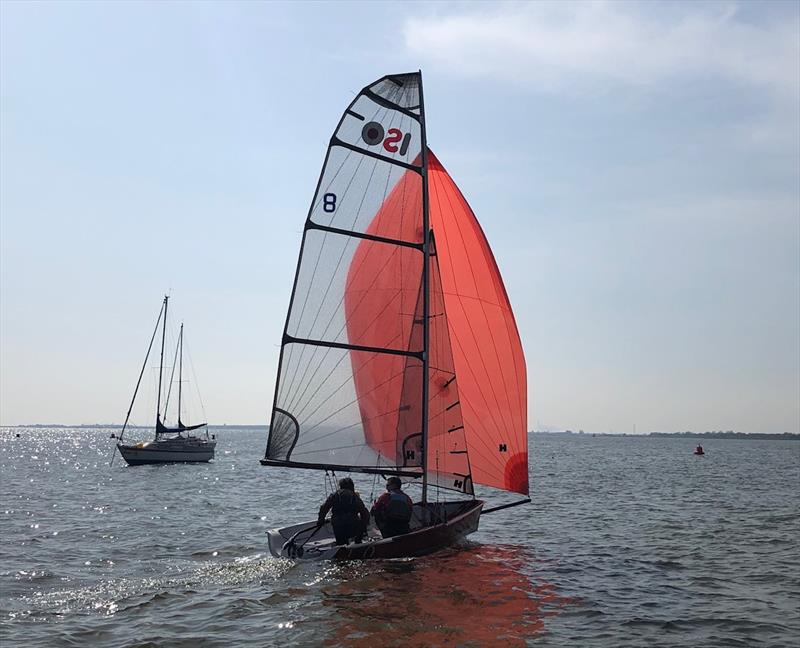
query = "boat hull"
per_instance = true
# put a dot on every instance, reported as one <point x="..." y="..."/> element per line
<point x="159" y="453"/>
<point x="453" y="521"/>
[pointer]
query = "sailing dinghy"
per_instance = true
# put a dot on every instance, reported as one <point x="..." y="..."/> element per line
<point x="176" y="444"/>
<point x="400" y="353"/>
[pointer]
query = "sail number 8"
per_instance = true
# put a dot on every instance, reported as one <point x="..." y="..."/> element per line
<point x="329" y="202"/>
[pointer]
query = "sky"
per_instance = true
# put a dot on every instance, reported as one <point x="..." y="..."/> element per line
<point x="635" y="167"/>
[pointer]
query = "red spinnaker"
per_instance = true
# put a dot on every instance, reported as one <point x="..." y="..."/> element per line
<point x="481" y="342"/>
<point x="487" y="350"/>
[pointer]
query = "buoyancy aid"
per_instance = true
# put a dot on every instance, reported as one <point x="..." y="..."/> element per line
<point x="346" y="504"/>
<point x="398" y="508"/>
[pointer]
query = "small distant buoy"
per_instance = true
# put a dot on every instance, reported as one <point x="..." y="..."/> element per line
<point x="699" y="450"/>
<point x="213" y="436"/>
<point x="113" y="436"/>
<point x="18" y="435"/>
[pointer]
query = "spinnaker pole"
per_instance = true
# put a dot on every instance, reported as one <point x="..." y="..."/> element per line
<point x="426" y="251"/>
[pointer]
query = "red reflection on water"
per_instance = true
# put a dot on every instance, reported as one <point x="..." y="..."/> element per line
<point x="472" y="597"/>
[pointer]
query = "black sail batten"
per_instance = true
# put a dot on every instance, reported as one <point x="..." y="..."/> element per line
<point x="342" y="468"/>
<point x="390" y="104"/>
<point x="351" y="347"/>
<point x="330" y="404"/>
<point x="311" y="225"/>
<point x="377" y="156"/>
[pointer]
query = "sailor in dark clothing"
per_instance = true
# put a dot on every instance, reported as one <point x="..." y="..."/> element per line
<point x="350" y="517"/>
<point x="392" y="511"/>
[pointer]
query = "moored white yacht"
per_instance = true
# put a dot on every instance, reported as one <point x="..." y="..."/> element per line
<point x="176" y="444"/>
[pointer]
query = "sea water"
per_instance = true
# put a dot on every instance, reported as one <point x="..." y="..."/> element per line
<point x="629" y="541"/>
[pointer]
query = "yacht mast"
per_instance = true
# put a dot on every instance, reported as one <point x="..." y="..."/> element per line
<point x="161" y="363"/>
<point x="180" y="375"/>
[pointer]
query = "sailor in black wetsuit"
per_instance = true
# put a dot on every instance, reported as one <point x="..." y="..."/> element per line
<point x="350" y="517"/>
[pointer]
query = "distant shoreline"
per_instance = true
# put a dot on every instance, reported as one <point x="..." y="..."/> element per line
<point x="765" y="436"/>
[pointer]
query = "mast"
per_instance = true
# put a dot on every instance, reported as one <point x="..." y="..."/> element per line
<point x="141" y="373"/>
<point x="180" y="375"/>
<point x="161" y="363"/>
<point x="426" y="298"/>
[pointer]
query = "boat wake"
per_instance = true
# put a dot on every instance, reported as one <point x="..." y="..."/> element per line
<point x="114" y="595"/>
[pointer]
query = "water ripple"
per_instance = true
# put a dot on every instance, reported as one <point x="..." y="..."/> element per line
<point x="628" y="542"/>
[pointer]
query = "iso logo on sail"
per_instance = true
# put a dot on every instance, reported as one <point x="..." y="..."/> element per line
<point x="373" y="134"/>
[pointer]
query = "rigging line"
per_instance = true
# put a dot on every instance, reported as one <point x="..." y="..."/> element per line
<point x="171" y="379"/>
<point x="350" y="377"/>
<point x="468" y="358"/>
<point x="508" y="428"/>
<point x="194" y="380"/>
<point x="334" y="413"/>
<point x="378" y="457"/>
<point x="374" y="480"/>
<point x="139" y="381"/>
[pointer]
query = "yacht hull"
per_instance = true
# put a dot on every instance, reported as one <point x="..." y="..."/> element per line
<point x="452" y="522"/>
<point x="158" y="453"/>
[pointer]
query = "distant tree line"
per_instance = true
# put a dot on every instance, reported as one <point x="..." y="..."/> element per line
<point x="729" y="434"/>
<point x="713" y="434"/>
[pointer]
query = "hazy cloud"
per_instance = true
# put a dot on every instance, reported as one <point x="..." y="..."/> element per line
<point x="578" y="46"/>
